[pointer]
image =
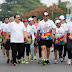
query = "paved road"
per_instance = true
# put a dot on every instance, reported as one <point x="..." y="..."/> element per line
<point x="34" y="66"/>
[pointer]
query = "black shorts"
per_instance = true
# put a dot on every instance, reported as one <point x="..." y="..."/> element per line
<point x="7" y="45"/>
<point x="58" y="47"/>
<point x="47" y="43"/>
<point x="69" y="44"/>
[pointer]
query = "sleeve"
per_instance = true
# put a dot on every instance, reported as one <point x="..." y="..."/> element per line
<point x="24" y="29"/>
<point x="9" y="27"/>
<point x="53" y="25"/>
<point x="39" y="27"/>
<point x="0" y="26"/>
<point x="66" y="27"/>
<point x="35" y="30"/>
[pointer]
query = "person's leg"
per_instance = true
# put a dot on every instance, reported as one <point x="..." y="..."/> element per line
<point x="43" y="51"/>
<point x="35" y="51"/>
<point x="3" y="49"/>
<point x="55" y="54"/>
<point x="32" y="50"/>
<point x="60" y="53"/>
<point x="65" y="49"/>
<point x="14" y="51"/>
<point x="27" y="53"/>
<point x="23" y="58"/>
<point x="7" y="47"/>
<point x="20" y="48"/>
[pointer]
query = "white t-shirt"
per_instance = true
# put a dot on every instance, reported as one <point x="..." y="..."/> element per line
<point x="2" y="26"/>
<point x="46" y="29"/>
<point x="63" y="25"/>
<point x="59" y="36"/>
<point x="5" y="28"/>
<point x="28" y="30"/>
<point x="33" y="31"/>
<point x="69" y="29"/>
<point x="16" y="32"/>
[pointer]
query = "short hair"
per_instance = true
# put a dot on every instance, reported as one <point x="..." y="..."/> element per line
<point x="11" y="17"/>
<point x="6" y="17"/>
<point x="33" y="16"/>
<point x="14" y="16"/>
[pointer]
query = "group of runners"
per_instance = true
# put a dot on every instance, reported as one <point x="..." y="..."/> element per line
<point x="36" y="35"/>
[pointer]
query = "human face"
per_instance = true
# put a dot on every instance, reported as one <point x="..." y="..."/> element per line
<point x="58" y="25"/>
<point x="11" y="20"/>
<point x="46" y="18"/>
<point x="6" y="20"/>
<point x="32" y="22"/>
<point x="26" y="23"/>
<point x="17" y="19"/>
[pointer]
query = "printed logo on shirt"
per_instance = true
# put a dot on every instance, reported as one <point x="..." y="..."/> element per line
<point x="58" y="40"/>
<point x="26" y="42"/>
<point x="69" y="35"/>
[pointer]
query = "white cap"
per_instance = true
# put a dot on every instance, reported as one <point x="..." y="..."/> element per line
<point x="62" y="17"/>
<point x="45" y="14"/>
<point x="30" y="19"/>
<point x="57" y="21"/>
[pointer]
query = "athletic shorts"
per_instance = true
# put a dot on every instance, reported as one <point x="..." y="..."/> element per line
<point x="58" y="47"/>
<point x="69" y="43"/>
<point x="7" y="45"/>
<point x="47" y="43"/>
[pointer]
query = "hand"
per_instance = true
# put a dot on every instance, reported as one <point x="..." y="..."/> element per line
<point x="28" y="40"/>
<point x="0" y="36"/>
<point x="65" y="40"/>
<point x="53" y="36"/>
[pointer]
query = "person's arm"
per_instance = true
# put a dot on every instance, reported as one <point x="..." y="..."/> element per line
<point x="37" y="35"/>
<point x="53" y="36"/>
<point x="25" y="34"/>
<point x="0" y="33"/>
<point x="54" y="27"/>
<point x="65" y="37"/>
<point x="6" y="36"/>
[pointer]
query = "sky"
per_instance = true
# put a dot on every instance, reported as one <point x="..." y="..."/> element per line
<point x="46" y="2"/>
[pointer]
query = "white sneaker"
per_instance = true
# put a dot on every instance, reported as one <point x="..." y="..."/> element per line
<point x="64" y="59"/>
<point x="61" y="59"/>
<point x="52" y="49"/>
<point x="69" y="61"/>
<point x="55" y="62"/>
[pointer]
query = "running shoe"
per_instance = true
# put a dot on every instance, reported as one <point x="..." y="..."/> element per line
<point x="47" y="61"/>
<point x="23" y="61"/>
<point x="11" y="61"/>
<point x="8" y="60"/>
<point x="55" y="62"/>
<point x="19" y="61"/>
<point x="15" y="64"/>
<point x="27" y="62"/>
<point x="31" y="60"/>
<point x="69" y="61"/>
<point x="34" y="57"/>
<point x="39" y="62"/>
<point x="64" y="59"/>
<point x="43" y="62"/>
<point x="61" y="59"/>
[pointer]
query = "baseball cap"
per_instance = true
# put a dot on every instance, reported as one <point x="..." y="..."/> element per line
<point x="25" y="20"/>
<point x="57" y="21"/>
<point x="30" y="19"/>
<point x="62" y="17"/>
<point x="45" y="14"/>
